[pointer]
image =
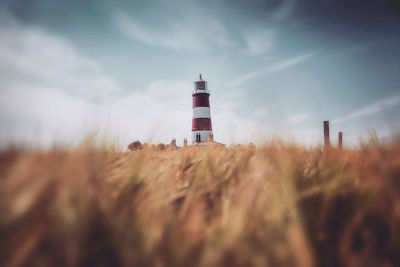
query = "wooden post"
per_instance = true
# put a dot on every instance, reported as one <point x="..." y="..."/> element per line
<point x="185" y="142"/>
<point x="326" y="134"/>
<point x="340" y="141"/>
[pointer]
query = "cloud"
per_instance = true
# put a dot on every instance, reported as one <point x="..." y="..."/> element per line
<point x="50" y="62"/>
<point x="260" y="112"/>
<point x="308" y="136"/>
<point x="258" y="43"/>
<point x="297" y="118"/>
<point x="287" y="63"/>
<point x="48" y="91"/>
<point x="229" y="126"/>
<point x="159" y="112"/>
<point x="41" y="116"/>
<point x="281" y="65"/>
<point x="189" y="31"/>
<point x="371" y="109"/>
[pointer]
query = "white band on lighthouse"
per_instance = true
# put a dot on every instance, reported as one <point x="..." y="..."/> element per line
<point x="201" y="112"/>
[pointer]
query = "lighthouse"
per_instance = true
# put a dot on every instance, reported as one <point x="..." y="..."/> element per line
<point x="201" y="120"/>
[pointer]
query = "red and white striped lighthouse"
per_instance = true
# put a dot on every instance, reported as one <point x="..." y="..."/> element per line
<point x="201" y="121"/>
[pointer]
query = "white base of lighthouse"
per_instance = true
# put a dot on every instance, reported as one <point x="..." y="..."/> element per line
<point x="204" y="136"/>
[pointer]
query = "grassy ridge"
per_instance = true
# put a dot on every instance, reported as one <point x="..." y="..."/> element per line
<point x="275" y="205"/>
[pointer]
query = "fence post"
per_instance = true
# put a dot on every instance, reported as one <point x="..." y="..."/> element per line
<point x="340" y="141"/>
<point x="326" y="134"/>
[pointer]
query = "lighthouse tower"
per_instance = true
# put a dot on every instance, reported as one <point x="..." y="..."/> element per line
<point x="201" y="121"/>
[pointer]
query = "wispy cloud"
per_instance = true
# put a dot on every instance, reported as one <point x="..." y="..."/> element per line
<point x="258" y="43"/>
<point x="297" y="118"/>
<point x="189" y="31"/>
<point x="260" y="112"/>
<point x="281" y="65"/>
<point x="371" y="109"/>
<point x="287" y="63"/>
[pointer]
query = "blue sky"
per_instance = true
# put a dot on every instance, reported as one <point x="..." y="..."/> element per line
<point x="125" y="69"/>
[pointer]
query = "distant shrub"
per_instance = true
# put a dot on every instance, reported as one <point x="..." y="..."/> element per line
<point x="135" y="146"/>
<point x="160" y="146"/>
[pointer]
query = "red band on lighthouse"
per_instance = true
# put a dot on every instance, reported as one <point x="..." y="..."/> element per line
<point x="201" y="100"/>
<point x="201" y="124"/>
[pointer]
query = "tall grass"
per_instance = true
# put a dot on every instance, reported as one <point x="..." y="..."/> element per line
<point x="278" y="204"/>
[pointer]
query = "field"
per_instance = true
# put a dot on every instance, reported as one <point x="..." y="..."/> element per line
<point x="279" y="204"/>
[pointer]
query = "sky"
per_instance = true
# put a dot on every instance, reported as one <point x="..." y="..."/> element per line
<point x="125" y="69"/>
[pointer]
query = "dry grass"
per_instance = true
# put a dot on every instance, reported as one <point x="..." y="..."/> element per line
<point x="276" y="205"/>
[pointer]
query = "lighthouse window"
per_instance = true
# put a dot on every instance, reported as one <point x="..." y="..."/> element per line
<point x="200" y="86"/>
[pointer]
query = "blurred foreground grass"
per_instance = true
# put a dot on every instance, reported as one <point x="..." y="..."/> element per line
<point x="275" y="205"/>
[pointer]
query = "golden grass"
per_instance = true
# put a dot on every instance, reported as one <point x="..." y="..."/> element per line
<point x="275" y="205"/>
